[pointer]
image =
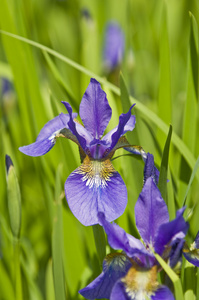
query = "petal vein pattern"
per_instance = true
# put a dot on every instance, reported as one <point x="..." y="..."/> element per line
<point x="93" y="188"/>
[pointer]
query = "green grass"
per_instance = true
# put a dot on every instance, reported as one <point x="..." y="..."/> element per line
<point x="48" y="52"/>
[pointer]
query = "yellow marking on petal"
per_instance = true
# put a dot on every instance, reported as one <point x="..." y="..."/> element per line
<point x="95" y="172"/>
<point x="140" y="283"/>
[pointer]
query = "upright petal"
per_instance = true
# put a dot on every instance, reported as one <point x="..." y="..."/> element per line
<point x="150" y="170"/>
<point x="126" y="123"/>
<point x="115" y="266"/>
<point x="83" y="136"/>
<point x="47" y="136"/>
<point x="150" y="212"/>
<point x="95" y="111"/>
<point x="95" y="187"/>
<point x="169" y="232"/>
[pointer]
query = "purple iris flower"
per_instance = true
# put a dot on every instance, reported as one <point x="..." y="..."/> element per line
<point x="113" y="46"/>
<point x="95" y="186"/>
<point x="158" y="234"/>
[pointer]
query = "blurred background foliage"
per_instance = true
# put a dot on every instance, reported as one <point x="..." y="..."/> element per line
<point x="160" y="67"/>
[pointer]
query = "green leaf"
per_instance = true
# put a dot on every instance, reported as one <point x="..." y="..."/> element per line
<point x="126" y="104"/>
<point x="100" y="242"/>
<point x="14" y="198"/>
<point x="164" y="97"/>
<point x="162" y="184"/>
<point x="172" y="275"/>
<point x="190" y="181"/>
<point x="57" y="244"/>
<point x="145" y="111"/>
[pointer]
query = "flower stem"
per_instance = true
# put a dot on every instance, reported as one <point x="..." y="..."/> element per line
<point x="100" y="242"/>
<point x="18" y="283"/>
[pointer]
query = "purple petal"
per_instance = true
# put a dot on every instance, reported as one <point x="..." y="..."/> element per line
<point x="196" y="241"/>
<point x="83" y="136"/>
<point x="150" y="212"/>
<point x="150" y="169"/>
<point x="192" y="257"/>
<point x="38" y="148"/>
<point x="47" y="137"/>
<point x="119" y="293"/>
<point x="54" y="125"/>
<point x="115" y="266"/>
<point x="95" y="111"/>
<point x="175" y="255"/>
<point x="192" y="254"/>
<point x="171" y="231"/>
<point x="126" y="123"/>
<point x="140" y="284"/>
<point x="95" y="187"/>
<point x="163" y="293"/>
<point x="120" y="240"/>
<point x="114" y="46"/>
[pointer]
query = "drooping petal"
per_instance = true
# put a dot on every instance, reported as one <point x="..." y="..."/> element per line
<point x="95" y="187"/>
<point x="171" y="231"/>
<point x="150" y="212"/>
<point x="47" y="136"/>
<point x="117" y="237"/>
<point x="39" y="148"/>
<point x="94" y="110"/>
<point x="115" y="266"/>
<point x="163" y="293"/>
<point x="83" y="136"/>
<point x="120" y="240"/>
<point x="126" y="123"/>
<point x="113" y="46"/>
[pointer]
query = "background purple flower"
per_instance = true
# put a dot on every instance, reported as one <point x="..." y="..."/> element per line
<point x="113" y="46"/>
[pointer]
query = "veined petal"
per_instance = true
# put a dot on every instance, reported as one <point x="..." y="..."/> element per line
<point x="47" y="136"/>
<point x="163" y="293"/>
<point x="150" y="170"/>
<point x="117" y="237"/>
<point x="95" y="187"/>
<point x="150" y="212"/>
<point x="175" y="255"/>
<point x="115" y="266"/>
<point x="126" y="123"/>
<point x="120" y="240"/>
<point x="94" y="110"/>
<point x="139" y="284"/>
<point x="83" y="136"/>
<point x="171" y="231"/>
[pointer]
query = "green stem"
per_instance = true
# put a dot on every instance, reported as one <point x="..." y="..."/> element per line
<point x="100" y="242"/>
<point x="17" y="272"/>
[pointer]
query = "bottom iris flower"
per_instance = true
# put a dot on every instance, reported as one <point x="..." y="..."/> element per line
<point x="132" y="274"/>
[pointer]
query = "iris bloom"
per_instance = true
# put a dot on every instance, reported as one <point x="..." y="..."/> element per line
<point x="132" y="274"/>
<point x="95" y="186"/>
<point x="113" y="46"/>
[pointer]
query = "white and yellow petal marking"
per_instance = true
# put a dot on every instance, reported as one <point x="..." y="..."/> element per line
<point x="96" y="173"/>
<point x="140" y="284"/>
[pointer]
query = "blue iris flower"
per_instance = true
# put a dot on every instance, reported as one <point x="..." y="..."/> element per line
<point x="95" y="186"/>
<point x="132" y="273"/>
